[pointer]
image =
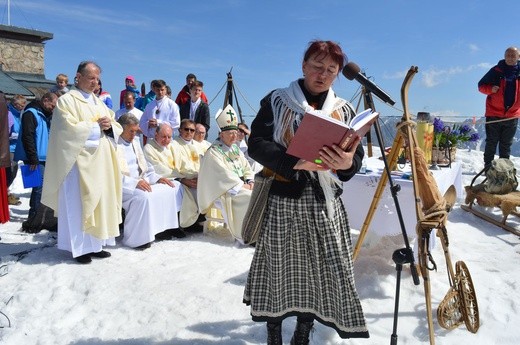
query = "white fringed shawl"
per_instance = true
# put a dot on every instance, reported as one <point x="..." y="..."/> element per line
<point x="289" y="105"/>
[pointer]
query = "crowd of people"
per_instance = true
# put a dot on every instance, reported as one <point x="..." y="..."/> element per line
<point x="146" y="172"/>
<point x="130" y="173"/>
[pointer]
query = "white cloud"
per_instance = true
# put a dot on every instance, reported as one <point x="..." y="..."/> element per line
<point x="473" y="47"/>
<point x="433" y="76"/>
<point x="396" y="75"/>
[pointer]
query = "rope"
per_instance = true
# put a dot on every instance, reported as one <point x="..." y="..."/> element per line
<point x="245" y="99"/>
<point x="405" y="123"/>
<point x="501" y="120"/>
<point x="218" y="93"/>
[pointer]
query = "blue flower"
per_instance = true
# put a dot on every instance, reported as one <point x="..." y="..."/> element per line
<point x="444" y="136"/>
<point x="465" y="129"/>
<point x="438" y="125"/>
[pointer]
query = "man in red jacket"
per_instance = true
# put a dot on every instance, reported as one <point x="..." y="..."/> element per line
<point x="184" y="95"/>
<point x="501" y="84"/>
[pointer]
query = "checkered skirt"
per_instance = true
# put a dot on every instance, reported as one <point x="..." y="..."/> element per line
<point x="303" y="266"/>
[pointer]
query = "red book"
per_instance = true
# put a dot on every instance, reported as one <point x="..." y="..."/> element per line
<point x="316" y="131"/>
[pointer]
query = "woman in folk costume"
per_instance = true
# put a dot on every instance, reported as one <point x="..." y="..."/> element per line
<point x="225" y="176"/>
<point x="302" y="264"/>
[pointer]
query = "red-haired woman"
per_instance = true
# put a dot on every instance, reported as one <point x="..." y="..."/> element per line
<point x="302" y="264"/>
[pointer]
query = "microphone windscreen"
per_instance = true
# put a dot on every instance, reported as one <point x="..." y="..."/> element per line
<point x="351" y="70"/>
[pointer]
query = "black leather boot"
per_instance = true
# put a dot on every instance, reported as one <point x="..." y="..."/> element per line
<point x="301" y="333"/>
<point x="274" y="333"/>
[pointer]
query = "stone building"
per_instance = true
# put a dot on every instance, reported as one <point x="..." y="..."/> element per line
<point x="22" y="62"/>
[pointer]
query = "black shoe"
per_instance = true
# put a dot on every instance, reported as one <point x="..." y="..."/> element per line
<point x="29" y="230"/>
<point x="144" y="246"/>
<point x="162" y="236"/>
<point x="177" y="233"/>
<point x="196" y="227"/>
<point x="102" y="254"/>
<point x="84" y="259"/>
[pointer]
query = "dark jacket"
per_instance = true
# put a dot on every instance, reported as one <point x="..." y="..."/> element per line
<point x="201" y="114"/>
<point x="272" y="155"/>
<point x="509" y="92"/>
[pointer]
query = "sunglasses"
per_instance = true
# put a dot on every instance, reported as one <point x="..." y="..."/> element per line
<point x="191" y="130"/>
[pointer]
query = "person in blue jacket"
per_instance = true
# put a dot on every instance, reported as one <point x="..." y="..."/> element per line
<point x="33" y="139"/>
<point x="15" y="108"/>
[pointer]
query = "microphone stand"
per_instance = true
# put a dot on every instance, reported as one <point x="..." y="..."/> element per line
<point x="404" y="255"/>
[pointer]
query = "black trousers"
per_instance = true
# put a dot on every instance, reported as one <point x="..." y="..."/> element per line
<point x="501" y="134"/>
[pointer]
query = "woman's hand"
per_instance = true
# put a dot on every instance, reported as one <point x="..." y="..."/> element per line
<point x="335" y="158"/>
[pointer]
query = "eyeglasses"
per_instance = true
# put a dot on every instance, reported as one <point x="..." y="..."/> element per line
<point x="191" y="130"/>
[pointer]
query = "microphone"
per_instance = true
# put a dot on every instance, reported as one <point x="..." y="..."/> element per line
<point x="351" y="72"/>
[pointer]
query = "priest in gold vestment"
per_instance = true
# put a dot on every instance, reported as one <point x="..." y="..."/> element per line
<point x="225" y="176"/>
<point x="180" y="160"/>
<point x="82" y="182"/>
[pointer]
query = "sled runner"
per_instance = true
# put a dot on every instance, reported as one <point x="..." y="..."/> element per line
<point x="498" y="189"/>
<point x="507" y="203"/>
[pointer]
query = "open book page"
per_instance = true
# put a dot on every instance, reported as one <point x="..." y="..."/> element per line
<point x="316" y="131"/>
<point x="359" y="125"/>
<point x="361" y="119"/>
<point x="327" y="118"/>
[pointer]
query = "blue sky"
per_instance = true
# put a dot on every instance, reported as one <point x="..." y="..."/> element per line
<point x="452" y="42"/>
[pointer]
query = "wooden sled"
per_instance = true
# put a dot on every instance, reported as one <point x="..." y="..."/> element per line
<point x="507" y="203"/>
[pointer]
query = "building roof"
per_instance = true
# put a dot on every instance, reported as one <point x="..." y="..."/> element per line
<point x="11" y="87"/>
<point x="23" y="34"/>
<point x="35" y="83"/>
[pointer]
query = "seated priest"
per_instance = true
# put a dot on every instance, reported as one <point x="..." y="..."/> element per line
<point x="200" y="136"/>
<point x="159" y="151"/>
<point x="225" y="176"/>
<point x="179" y="160"/>
<point x="186" y="165"/>
<point x="151" y="202"/>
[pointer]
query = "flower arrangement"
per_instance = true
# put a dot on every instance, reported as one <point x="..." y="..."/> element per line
<point x="444" y="136"/>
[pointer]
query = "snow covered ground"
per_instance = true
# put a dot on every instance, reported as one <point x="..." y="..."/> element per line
<point x="189" y="291"/>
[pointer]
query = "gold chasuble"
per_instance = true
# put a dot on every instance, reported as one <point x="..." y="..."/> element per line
<point x="222" y="170"/>
<point x="186" y="158"/>
<point x="160" y="157"/>
<point x="99" y="174"/>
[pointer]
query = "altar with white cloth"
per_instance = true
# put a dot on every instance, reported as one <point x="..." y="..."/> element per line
<point x="359" y="192"/>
